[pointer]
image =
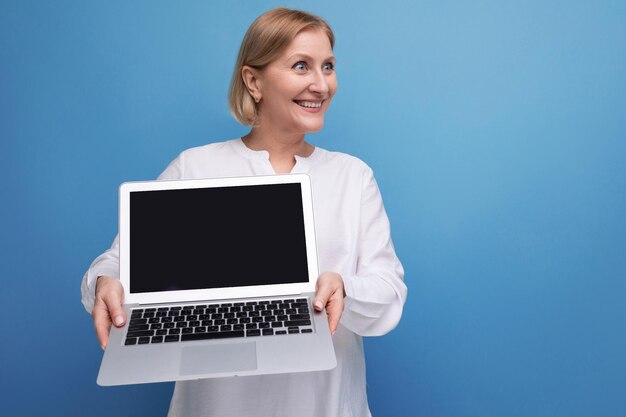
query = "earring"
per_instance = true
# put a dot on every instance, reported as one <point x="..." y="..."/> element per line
<point x="256" y="99"/>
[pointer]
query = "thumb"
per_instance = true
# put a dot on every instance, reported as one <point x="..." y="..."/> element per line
<point x="114" y="304"/>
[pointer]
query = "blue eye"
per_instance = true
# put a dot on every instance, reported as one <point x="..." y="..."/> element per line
<point x="329" y="66"/>
<point x="299" y="66"/>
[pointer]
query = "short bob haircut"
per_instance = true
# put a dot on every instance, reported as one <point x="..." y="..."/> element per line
<point x="265" y="40"/>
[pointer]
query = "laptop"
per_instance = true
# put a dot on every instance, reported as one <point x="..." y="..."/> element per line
<point x="218" y="276"/>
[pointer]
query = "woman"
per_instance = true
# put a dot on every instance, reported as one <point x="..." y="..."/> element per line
<point x="282" y="86"/>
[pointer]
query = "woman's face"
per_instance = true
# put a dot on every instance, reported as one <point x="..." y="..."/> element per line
<point x="297" y="87"/>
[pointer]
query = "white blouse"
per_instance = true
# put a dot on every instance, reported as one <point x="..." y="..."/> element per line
<point x="353" y="239"/>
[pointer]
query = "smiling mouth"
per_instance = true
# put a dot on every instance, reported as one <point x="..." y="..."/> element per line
<point x="309" y="104"/>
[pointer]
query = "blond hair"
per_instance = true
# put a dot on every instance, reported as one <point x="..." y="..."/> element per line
<point x="265" y="40"/>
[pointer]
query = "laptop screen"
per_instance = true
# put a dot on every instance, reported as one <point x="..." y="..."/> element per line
<point x="188" y="239"/>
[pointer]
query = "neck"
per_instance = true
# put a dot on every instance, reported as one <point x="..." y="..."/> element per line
<point x="282" y="148"/>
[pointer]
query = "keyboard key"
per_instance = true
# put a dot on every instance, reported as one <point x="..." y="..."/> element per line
<point x="131" y="341"/>
<point x="157" y="339"/>
<point x="172" y="338"/>
<point x="298" y="317"/>
<point x="281" y="332"/>
<point x="297" y="323"/>
<point x="141" y="333"/>
<point x="135" y="327"/>
<point x="293" y="330"/>
<point x="162" y="332"/>
<point x="268" y="332"/>
<point x="212" y="335"/>
<point x="187" y="330"/>
<point x="253" y="333"/>
<point x="144" y="340"/>
<point x="251" y="326"/>
<point x="238" y="326"/>
<point x="306" y="331"/>
<point x="138" y="321"/>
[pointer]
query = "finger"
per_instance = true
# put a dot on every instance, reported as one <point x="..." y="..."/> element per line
<point x="102" y="323"/>
<point x="334" y="309"/>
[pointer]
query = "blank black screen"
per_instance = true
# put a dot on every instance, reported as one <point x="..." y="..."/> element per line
<point x="216" y="238"/>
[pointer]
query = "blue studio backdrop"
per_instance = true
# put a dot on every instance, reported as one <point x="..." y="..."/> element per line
<point x="497" y="133"/>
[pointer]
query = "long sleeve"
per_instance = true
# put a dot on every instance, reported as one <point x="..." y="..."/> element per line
<point x="375" y="295"/>
<point x="108" y="263"/>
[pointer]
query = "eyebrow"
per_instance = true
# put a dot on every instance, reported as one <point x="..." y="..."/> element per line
<point x="309" y="57"/>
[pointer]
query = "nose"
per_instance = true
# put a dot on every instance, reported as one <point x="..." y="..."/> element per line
<point x="319" y="84"/>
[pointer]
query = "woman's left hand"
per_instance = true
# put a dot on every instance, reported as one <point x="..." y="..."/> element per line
<point x="330" y="293"/>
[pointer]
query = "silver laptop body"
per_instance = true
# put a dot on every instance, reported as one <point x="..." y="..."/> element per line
<point x="236" y="259"/>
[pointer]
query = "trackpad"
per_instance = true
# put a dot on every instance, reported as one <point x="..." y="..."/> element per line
<point x="228" y="357"/>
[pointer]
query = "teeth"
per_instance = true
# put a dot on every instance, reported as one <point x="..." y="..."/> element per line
<point x="309" y="104"/>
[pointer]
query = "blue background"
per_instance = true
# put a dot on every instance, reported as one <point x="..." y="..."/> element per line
<point x="496" y="130"/>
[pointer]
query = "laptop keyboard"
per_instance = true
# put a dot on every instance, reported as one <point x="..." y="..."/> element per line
<point x="218" y="321"/>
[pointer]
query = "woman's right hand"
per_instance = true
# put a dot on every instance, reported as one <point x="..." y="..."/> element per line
<point x="107" y="308"/>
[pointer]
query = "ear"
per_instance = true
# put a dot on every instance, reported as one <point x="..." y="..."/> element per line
<point x="251" y="78"/>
